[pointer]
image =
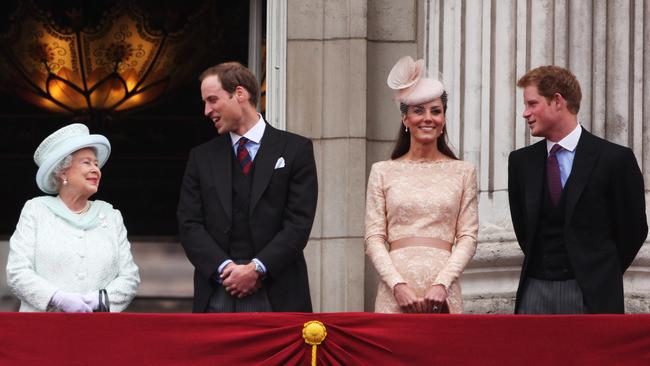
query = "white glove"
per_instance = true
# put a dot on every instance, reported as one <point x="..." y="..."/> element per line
<point x="92" y="299"/>
<point x="70" y="302"/>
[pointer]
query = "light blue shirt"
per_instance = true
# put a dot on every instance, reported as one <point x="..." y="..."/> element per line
<point x="568" y="152"/>
<point x="254" y="136"/>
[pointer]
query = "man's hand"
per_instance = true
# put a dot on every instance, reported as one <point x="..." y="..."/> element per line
<point x="241" y="280"/>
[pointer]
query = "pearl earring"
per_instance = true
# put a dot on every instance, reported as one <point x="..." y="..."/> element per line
<point x="406" y="129"/>
<point x="65" y="181"/>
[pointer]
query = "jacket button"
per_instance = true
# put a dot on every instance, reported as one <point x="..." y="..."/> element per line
<point x="227" y="231"/>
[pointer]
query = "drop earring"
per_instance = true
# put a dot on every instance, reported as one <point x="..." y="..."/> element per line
<point x="65" y="181"/>
<point x="406" y="129"/>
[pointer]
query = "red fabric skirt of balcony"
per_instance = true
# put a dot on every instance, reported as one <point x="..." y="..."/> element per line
<point x="352" y="339"/>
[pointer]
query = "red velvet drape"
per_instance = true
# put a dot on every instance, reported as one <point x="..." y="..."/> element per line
<point x="352" y="339"/>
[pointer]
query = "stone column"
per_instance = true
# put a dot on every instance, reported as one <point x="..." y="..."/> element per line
<point x="326" y="101"/>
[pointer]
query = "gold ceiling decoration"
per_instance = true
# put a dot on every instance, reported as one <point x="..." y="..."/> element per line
<point x="118" y="63"/>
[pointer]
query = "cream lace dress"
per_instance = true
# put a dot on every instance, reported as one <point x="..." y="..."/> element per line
<point x="407" y="198"/>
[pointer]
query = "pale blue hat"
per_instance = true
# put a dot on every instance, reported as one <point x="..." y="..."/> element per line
<point x="62" y="143"/>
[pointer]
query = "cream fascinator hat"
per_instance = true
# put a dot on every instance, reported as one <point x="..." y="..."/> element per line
<point x="411" y="88"/>
<point x="62" y="143"/>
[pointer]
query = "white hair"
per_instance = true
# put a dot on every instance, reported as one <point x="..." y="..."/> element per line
<point x="55" y="176"/>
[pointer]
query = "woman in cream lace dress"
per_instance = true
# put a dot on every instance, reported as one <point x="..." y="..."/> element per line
<point x="422" y="203"/>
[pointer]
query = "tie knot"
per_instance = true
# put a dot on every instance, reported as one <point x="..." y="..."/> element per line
<point x="242" y="141"/>
<point x="555" y="149"/>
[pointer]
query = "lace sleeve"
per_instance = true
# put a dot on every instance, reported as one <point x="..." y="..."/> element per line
<point x="376" y="226"/>
<point x="466" y="233"/>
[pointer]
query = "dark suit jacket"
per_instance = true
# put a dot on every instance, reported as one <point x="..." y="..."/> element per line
<point x="283" y="204"/>
<point x="605" y="215"/>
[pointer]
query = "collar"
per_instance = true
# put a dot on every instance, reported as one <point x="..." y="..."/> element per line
<point x="569" y="142"/>
<point x="97" y="213"/>
<point x="254" y="134"/>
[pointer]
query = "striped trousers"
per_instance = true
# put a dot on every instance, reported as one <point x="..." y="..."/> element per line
<point x="222" y="302"/>
<point x="551" y="297"/>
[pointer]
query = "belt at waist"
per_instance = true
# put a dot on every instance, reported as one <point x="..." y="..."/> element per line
<point x="417" y="241"/>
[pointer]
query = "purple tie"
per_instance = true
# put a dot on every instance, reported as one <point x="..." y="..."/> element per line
<point x="553" y="175"/>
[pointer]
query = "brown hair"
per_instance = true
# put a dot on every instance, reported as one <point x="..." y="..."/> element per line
<point x="233" y="74"/>
<point x="554" y="79"/>
<point x="403" y="143"/>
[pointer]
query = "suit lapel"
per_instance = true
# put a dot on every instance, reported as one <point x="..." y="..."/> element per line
<point x="271" y="148"/>
<point x="221" y="168"/>
<point x="535" y="167"/>
<point x="583" y="164"/>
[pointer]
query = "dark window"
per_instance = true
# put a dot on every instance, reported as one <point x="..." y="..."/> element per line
<point x="150" y="146"/>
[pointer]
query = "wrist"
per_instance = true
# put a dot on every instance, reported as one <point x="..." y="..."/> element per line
<point x="255" y="268"/>
<point x="397" y="285"/>
<point x="259" y="267"/>
<point x="441" y="285"/>
<point x="225" y="264"/>
<point x="55" y="299"/>
<point x="92" y="299"/>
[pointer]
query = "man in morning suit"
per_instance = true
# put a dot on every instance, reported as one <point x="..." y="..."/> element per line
<point x="247" y="204"/>
<point x="577" y="205"/>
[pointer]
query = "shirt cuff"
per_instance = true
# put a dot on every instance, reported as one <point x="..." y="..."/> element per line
<point x="222" y="266"/>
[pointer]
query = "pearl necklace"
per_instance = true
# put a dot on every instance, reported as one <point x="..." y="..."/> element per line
<point x="83" y="210"/>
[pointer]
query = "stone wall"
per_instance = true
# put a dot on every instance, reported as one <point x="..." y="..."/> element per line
<point x="326" y="101"/>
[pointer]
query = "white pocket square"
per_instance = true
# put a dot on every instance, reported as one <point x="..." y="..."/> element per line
<point x="280" y="163"/>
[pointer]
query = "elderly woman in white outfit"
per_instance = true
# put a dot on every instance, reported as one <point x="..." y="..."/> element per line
<point x="68" y="252"/>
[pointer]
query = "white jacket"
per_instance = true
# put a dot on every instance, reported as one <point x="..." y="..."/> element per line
<point x="47" y="254"/>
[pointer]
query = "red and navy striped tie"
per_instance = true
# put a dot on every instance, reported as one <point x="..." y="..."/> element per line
<point x="243" y="156"/>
